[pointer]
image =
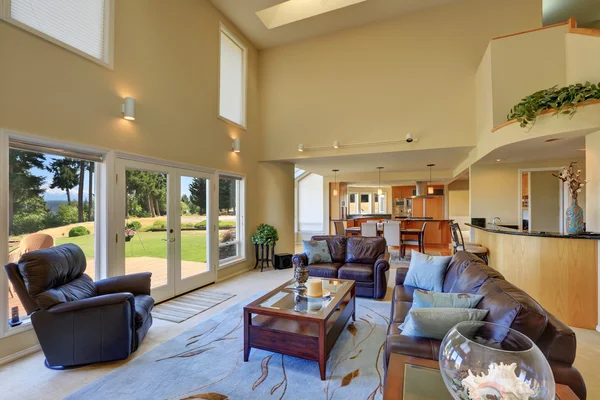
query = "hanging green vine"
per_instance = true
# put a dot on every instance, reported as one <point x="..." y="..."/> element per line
<point x="563" y="101"/>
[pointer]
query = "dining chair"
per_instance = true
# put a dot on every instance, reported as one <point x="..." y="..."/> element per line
<point x="392" y="232"/>
<point x="368" y="229"/>
<point x="420" y="242"/>
<point x="460" y="245"/>
<point x="340" y="229"/>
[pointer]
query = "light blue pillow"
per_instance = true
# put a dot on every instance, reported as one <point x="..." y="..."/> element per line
<point x="434" y="323"/>
<point x="317" y="251"/>
<point x="427" y="299"/>
<point x="427" y="272"/>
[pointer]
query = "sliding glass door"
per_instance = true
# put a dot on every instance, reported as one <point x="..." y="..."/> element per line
<point x="167" y="221"/>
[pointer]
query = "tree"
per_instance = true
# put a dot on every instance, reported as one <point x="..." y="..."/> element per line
<point x="80" y="192"/>
<point x="226" y="194"/>
<point x="91" y="170"/>
<point x="147" y="190"/>
<point x="25" y="192"/>
<point x="65" y="176"/>
<point x="198" y="194"/>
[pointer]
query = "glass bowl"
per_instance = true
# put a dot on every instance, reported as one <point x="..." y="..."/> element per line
<point x="484" y="361"/>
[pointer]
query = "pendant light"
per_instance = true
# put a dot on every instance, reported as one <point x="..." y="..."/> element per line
<point x="335" y="191"/>
<point x="430" y="189"/>
<point x="379" y="191"/>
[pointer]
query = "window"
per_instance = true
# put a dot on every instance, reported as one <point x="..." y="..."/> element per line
<point x="232" y="79"/>
<point x="353" y="204"/>
<point x="230" y="219"/>
<point x="381" y="204"/>
<point x="84" y="27"/>
<point x="365" y="203"/>
<point x="51" y="201"/>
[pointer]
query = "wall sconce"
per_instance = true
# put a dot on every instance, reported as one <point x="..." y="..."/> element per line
<point x="235" y="145"/>
<point x="128" y="109"/>
<point x="336" y="144"/>
<point x="300" y="147"/>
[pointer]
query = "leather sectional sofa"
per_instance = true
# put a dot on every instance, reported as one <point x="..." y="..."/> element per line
<point x="507" y="305"/>
<point x="361" y="259"/>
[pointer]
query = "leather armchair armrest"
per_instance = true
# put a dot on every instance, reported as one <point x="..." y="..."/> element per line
<point x="135" y="284"/>
<point x="98" y="301"/>
<point x="380" y="274"/>
<point x="300" y="257"/>
<point x="401" y="275"/>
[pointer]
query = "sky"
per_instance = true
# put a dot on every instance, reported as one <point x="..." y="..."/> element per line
<point x="59" y="194"/>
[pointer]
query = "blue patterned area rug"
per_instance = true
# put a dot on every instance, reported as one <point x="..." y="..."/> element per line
<point x="206" y="362"/>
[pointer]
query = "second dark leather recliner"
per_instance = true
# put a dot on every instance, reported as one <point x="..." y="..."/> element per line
<point x="76" y="320"/>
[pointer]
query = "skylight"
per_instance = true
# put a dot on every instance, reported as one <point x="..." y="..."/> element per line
<point x="296" y="10"/>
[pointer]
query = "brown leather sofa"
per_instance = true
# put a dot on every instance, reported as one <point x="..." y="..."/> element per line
<point x="361" y="259"/>
<point x="508" y="306"/>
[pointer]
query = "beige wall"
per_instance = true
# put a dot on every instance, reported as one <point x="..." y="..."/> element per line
<point x="583" y="63"/>
<point x="458" y="203"/>
<point x="166" y="57"/>
<point x="544" y="201"/>
<point x="495" y="188"/>
<point x="381" y="80"/>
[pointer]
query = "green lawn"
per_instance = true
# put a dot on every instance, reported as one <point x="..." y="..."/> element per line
<point x="150" y="244"/>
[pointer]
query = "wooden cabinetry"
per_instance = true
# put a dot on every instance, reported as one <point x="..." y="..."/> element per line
<point x="402" y="191"/>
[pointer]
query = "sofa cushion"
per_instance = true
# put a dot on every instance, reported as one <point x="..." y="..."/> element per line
<point x="413" y="346"/>
<point x="427" y="272"/>
<point x="466" y="273"/>
<point x="558" y="341"/>
<point x="337" y="246"/>
<point x="50" y="268"/>
<point x="143" y="307"/>
<point x="329" y="270"/>
<point x="427" y="299"/>
<point x="511" y="307"/>
<point x="435" y="323"/>
<point x="356" y="272"/>
<point x="317" y="251"/>
<point x="364" y="250"/>
<point x="400" y="310"/>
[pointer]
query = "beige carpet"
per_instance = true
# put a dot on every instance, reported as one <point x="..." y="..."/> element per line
<point x="184" y="307"/>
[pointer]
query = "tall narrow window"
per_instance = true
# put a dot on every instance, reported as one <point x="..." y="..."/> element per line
<point x="83" y="26"/>
<point x="230" y="219"/>
<point x="232" y="79"/>
<point x="51" y="201"/>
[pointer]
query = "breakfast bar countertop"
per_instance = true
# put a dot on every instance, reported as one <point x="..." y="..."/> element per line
<point x="520" y="232"/>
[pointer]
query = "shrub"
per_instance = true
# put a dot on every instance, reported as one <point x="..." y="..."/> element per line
<point x="159" y="224"/>
<point x="28" y="223"/>
<point x="228" y="236"/>
<point x="65" y="215"/>
<point x="79" y="231"/>
<point x="134" y="225"/>
<point x="200" y="225"/>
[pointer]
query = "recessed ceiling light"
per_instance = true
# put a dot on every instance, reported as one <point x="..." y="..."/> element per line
<point x="498" y="160"/>
<point x="553" y="140"/>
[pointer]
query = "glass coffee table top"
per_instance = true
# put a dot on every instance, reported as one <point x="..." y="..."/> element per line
<point x="422" y="383"/>
<point x="289" y="299"/>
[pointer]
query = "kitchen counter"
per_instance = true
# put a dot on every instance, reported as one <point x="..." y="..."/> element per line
<point x="559" y="271"/>
<point x="520" y="232"/>
<point x="369" y="216"/>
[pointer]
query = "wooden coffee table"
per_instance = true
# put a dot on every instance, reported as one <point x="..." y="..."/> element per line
<point x="284" y="322"/>
<point x="411" y="378"/>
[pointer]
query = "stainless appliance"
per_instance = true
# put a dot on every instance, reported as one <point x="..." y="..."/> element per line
<point x="401" y="206"/>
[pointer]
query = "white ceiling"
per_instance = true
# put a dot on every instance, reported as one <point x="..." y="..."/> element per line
<point x="243" y="14"/>
<point x="400" y="161"/>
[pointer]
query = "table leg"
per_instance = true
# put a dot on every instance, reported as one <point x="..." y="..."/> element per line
<point x="353" y="294"/>
<point x="322" y="355"/>
<point x="247" y="323"/>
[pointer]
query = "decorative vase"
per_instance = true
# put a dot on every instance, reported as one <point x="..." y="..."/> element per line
<point x="301" y="276"/>
<point x="574" y="219"/>
<point x="480" y="360"/>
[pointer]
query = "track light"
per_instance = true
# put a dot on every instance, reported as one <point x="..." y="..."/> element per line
<point x="335" y="191"/>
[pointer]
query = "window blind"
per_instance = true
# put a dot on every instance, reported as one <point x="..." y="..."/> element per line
<point x="231" y="91"/>
<point x="78" y="23"/>
<point x="40" y="148"/>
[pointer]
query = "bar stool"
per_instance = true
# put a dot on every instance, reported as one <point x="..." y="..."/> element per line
<point x="368" y="229"/>
<point x="420" y="242"/>
<point x="339" y="228"/>
<point x="460" y="245"/>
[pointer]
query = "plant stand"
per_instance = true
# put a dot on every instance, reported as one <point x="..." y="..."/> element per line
<point x="267" y="256"/>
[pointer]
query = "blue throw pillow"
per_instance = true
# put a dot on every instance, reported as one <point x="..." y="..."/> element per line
<point x="427" y="299"/>
<point x="434" y="323"/>
<point x="317" y="251"/>
<point x="427" y="272"/>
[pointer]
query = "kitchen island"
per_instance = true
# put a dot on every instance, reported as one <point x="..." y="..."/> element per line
<point x="437" y="231"/>
<point x="559" y="271"/>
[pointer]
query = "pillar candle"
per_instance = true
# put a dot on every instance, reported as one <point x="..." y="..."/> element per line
<point x="314" y="288"/>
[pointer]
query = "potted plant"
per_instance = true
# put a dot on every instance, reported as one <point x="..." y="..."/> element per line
<point x="265" y="236"/>
<point x="129" y="234"/>
<point x="573" y="179"/>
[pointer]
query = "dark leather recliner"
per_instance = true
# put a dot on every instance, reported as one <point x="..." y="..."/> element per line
<point x="508" y="306"/>
<point x="76" y="320"/>
<point x="357" y="258"/>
